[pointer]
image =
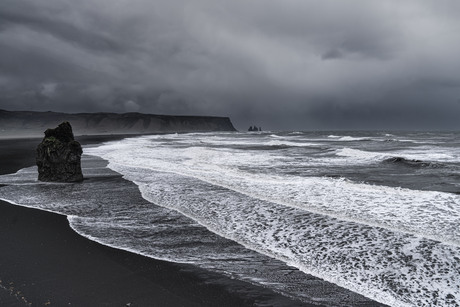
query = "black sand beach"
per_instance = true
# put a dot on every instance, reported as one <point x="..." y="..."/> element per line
<point x="43" y="262"/>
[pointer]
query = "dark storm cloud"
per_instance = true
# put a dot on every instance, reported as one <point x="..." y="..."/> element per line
<point x="280" y="64"/>
<point x="62" y="29"/>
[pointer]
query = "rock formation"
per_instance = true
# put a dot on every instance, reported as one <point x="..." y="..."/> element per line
<point x="251" y="128"/>
<point x="58" y="156"/>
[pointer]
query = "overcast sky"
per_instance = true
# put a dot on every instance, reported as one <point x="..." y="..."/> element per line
<point x="284" y="64"/>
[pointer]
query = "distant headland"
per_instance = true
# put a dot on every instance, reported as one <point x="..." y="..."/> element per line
<point x="29" y="123"/>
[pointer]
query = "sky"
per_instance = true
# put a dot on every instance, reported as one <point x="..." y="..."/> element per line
<point x="281" y="65"/>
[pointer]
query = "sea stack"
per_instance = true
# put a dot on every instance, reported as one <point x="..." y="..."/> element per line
<point x="58" y="156"/>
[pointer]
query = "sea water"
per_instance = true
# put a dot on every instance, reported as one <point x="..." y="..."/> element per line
<point x="372" y="212"/>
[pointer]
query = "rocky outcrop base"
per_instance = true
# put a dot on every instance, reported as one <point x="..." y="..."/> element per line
<point x="58" y="156"/>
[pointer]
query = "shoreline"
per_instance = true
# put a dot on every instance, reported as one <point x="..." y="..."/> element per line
<point x="45" y="261"/>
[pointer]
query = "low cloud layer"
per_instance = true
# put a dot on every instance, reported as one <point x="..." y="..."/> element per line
<point x="278" y="64"/>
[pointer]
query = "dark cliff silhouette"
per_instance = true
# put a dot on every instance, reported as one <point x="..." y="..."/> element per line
<point x="27" y="123"/>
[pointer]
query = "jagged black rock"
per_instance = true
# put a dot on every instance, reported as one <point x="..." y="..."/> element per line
<point x="58" y="156"/>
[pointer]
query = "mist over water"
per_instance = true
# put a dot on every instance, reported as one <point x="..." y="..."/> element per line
<point x="373" y="212"/>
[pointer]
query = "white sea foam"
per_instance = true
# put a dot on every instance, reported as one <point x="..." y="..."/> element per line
<point x="350" y="138"/>
<point x="290" y="143"/>
<point x="361" y="156"/>
<point x="346" y="138"/>
<point x="271" y="140"/>
<point x="287" y="217"/>
<point x="352" y="255"/>
<point x="415" y="212"/>
<point x="428" y="154"/>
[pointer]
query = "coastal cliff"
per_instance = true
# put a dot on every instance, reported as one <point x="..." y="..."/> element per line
<point x="28" y="123"/>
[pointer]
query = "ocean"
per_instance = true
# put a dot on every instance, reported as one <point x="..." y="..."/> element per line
<point x="376" y="213"/>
